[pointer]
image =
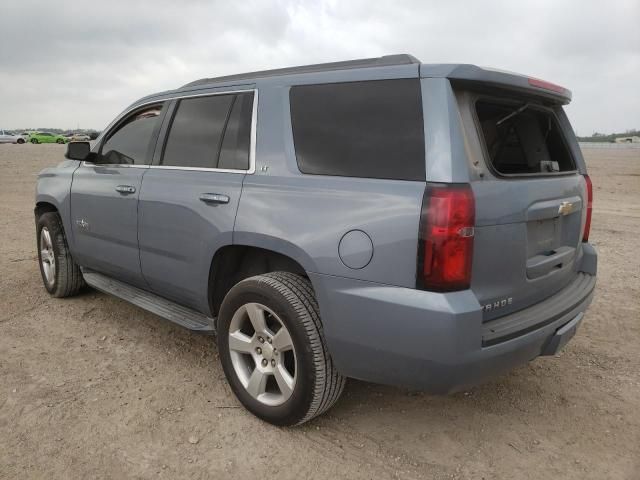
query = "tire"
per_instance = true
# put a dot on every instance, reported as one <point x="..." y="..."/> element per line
<point x="20" y="141"/>
<point x="59" y="141"/>
<point x="34" y="140"/>
<point x="65" y="278"/>
<point x="289" y="302"/>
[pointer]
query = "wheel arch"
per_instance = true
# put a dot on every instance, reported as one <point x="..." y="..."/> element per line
<point x="45" y="206"/>
<point x="235" y="262"/>
<point x="47" y="202"/>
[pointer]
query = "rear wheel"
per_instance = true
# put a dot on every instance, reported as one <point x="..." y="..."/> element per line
<point x="59" y="141"/>
<point x="60" y="274"/>
<point x="34" y="140"/>
<point x="21" y="140"/>
<point x="273" y="351"/>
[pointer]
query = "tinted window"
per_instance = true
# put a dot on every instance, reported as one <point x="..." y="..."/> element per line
<point x="196" y="131"/>
<point x="129" y="144"/>
<point x="205" y="129"/>
<point x="234" y="153"/>
<point x="362" y="129"/>
<point x="522" y="139"/>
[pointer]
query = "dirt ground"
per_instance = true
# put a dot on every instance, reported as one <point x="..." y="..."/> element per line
<point x="93" y="387"/>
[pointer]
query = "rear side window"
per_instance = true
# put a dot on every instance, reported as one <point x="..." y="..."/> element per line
<point x="234" y="151"/>
<point x="210" y="132"/>
<point x="370" y="129"/>
<point x="522" y="139"/>
<point x="129" y="144"/>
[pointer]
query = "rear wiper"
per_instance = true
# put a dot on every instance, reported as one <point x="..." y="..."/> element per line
<point x="513" y="114"/>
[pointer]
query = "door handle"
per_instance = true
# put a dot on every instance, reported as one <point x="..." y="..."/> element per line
<point x="214" y="198"/>
<point x="542" y="264"/>
<point x="126" y="189"/>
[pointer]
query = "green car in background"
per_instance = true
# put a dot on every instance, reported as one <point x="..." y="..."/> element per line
<point x="46" y="137"/>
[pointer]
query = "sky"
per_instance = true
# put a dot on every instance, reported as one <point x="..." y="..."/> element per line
<point x="71" y="64"/>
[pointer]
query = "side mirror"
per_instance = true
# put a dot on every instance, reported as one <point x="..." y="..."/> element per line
<point x="78" y="150"/>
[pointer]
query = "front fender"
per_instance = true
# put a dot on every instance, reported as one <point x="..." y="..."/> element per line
<point x="54" y="188"/>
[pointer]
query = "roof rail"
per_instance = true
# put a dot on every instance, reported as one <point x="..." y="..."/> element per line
<point x="384" y="61"/>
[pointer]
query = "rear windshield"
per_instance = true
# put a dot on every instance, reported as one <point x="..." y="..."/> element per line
<point x="371" y="129"/>
<point x="523" y="139"/>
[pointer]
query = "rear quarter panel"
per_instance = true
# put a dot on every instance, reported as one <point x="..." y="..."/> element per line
<point x="305" y="216"/>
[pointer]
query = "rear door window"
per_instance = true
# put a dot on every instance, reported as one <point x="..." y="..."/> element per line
<point x="371" y="129"/>
<point x="522" y="139"/>
<point x="234" y="151"/>
<point x="210" y="132"/>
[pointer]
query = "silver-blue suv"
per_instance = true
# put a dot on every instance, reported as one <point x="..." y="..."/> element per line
<point x="381" y="219"/>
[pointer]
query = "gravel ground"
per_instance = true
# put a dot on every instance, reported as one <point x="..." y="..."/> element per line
<point x="93" y="387"/>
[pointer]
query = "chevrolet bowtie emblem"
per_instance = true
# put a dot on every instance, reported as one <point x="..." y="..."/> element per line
<point x="565" y="208"/>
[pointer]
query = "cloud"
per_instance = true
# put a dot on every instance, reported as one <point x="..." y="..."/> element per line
<point x="74" y="63"/>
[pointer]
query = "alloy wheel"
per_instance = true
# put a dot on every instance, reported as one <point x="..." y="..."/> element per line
<point x="47" y="256"/>
<point x="262" y="354"/>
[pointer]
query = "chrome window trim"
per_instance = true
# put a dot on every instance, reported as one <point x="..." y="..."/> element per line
<point x="198" y="169"/>
<point x="111" y="165"/>
<point x="252" y="139"/>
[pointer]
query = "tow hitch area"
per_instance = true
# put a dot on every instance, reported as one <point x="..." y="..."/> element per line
<point x="562" y="336"/>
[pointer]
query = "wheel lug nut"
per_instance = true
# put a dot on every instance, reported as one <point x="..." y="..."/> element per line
<point x="264" y="362"/>
<point x="273" y="363"/>
<point x="269" y="340"/>
<point x="261" y="340"/>
<point x="259" y="351"/>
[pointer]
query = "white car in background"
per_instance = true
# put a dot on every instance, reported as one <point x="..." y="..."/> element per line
<point x="7" y="136"/>
<point x="79" y="137"/>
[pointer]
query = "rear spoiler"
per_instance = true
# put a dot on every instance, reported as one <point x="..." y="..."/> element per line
<point x="475" y="77"/>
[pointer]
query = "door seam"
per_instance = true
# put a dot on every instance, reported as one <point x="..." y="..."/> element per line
<point x="146" y="282"/>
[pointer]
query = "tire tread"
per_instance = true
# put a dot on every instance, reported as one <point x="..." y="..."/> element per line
<point x="329" y="383"/>
<point x="69" y="279"/>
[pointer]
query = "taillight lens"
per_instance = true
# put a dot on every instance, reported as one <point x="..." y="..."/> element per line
<point x="587" y="223"/>
<point x="446" y="238"/>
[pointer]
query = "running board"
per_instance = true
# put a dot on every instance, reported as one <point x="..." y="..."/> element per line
<point x="162" y="307"/>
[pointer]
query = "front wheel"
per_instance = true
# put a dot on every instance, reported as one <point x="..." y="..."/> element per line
<point x="20" y="140"/>
<point x="60" y="274"/>
<point x="34" y="140"/>
<point x="59" y="141"/>
<point x="273" y="350"/>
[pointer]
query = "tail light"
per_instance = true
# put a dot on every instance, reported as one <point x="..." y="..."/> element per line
<point x="587" y="223"/>
<point x="446" y="238"/>
<point x="536" y="82"/>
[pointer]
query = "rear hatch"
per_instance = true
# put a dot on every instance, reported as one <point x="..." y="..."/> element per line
<point x="530" y="196"/>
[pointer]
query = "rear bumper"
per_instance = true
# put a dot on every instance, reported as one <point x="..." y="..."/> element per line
<point x="437" y="342"/>
<point x="562" y="307"/>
